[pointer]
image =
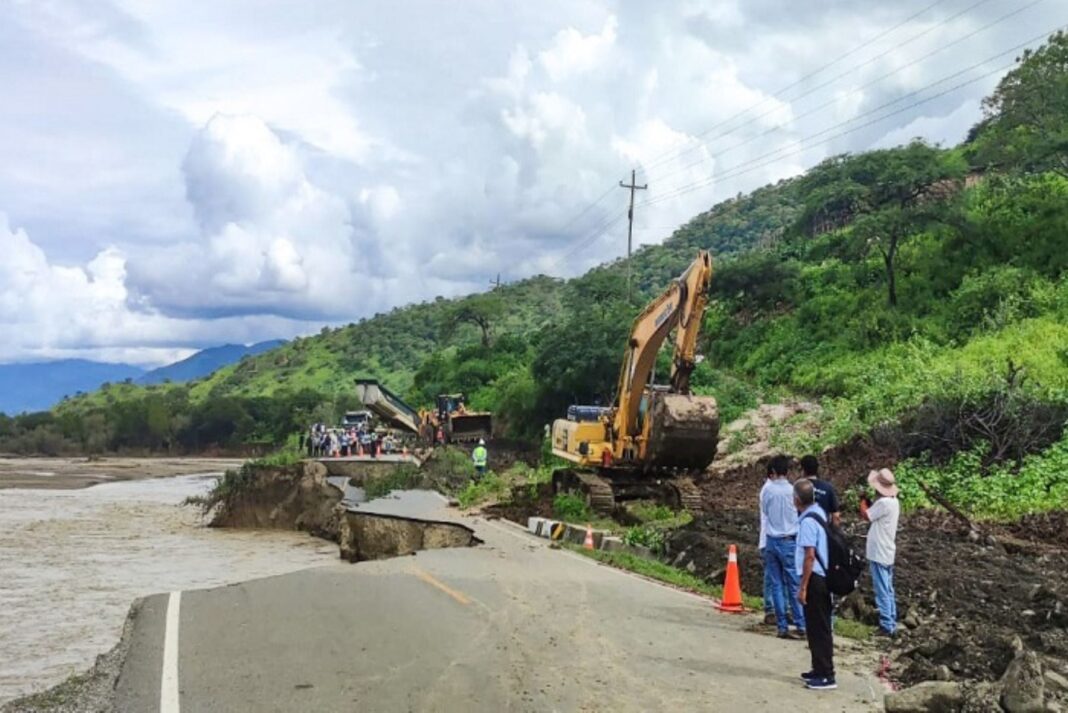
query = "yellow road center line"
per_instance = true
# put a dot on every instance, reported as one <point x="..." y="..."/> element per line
<point x="438" y="584"/>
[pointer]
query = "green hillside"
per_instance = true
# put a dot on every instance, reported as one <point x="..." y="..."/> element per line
<point x="917" y="293"/>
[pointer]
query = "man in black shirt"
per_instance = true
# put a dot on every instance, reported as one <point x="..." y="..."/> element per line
<point x="825" y="495"/>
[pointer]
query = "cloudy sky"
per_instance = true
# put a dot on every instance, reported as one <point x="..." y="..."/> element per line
<point x="180" y="174"/>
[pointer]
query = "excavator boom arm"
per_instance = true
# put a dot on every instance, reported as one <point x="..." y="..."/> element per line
<point x="682" y="304"/>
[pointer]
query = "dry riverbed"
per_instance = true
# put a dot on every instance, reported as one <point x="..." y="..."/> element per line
<point x="71" y="473"/>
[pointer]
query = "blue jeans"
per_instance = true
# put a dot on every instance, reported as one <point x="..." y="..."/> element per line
<point x="769" y="605"/>
<point x="779" y="565"/>
<point x="882" y="577"/>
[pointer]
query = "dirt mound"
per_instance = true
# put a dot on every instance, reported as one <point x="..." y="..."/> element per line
<point x="524" y="502"/>
<point x="701" y="547"/>
<point x="735" y="483"/>
<point x="1049" y="529"/>
<point x="748" y="439"/>
<point x="293" y="497"/>
<point x="969" y="597"/>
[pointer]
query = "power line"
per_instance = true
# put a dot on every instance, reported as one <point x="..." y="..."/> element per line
<point x="746" y="167"/>
<point x="588" y="208"/>
<point x="754" y="164"/>
<point x="779" y="127"/>
<point x="833" y="79"/>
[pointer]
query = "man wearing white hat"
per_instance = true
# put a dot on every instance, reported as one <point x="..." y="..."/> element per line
<point x="882" y="547"/>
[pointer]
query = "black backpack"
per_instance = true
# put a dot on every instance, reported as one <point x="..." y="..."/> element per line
<point x="845" y="566"/>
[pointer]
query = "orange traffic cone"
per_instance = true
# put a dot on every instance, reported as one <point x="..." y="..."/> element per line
<point x="588" y="544"/>
<point x="732" y="585"/>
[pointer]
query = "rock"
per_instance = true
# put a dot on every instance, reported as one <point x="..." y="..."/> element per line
<point x="943" y="673"/>
<point x="981" y="697"/>
<point x="926" y="697"/>
<point x="1023" y="687"/>
<point x="912" y="619"/>
<point x="1055" y="681"/>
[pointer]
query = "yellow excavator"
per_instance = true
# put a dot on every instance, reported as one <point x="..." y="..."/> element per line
<point x="655" y="439"/>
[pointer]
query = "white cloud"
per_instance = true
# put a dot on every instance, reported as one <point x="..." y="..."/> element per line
<point x="573" y="53"/>
<point x="53" y="311"/>
<point x="947" y="130"/>
<point x="248" y="170"/>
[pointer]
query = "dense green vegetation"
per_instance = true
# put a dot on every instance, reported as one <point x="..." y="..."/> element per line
<point x="918" y="293"/>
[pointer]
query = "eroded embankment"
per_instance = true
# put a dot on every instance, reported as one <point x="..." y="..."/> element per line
<point x="300" y="497"/>
<point x="291" y="497"/>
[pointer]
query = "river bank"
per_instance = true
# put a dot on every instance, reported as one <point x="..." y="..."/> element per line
<point x="73" y="560"/>
<point x="71" y="473"/>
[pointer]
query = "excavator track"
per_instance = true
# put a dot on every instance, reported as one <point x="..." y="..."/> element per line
<point x="596" y="491"/>
<point x="688" y="494"/>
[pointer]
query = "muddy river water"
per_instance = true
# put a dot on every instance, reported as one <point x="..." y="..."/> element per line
<point x="72" y="561"/>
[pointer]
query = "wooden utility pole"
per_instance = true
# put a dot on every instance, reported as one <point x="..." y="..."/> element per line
<point x="496" y="283"/>
<point x="633" y="186"/>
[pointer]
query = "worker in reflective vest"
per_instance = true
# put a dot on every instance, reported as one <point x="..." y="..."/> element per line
<point x="479" y="457"/>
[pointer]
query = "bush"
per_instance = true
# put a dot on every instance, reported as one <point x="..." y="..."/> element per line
<point x="645" y="536"/>
<point x="489" y="487"/>
<point x="403" y="477"/>
<point x="570" y="508"/>
<point x="998" y="492"/>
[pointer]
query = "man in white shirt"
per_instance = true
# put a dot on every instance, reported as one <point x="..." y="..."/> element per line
<point x="769" y="605"/>
<point x="882" y="546"/>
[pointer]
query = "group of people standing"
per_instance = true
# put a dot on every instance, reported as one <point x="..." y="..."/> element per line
<point x="794" y="543"/>
<point x="323" y="442"/>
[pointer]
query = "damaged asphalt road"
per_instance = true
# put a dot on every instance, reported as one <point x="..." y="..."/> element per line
<point x="506" y="625"/>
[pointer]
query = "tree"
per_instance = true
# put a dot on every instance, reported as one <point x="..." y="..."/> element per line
<point x="1025" y="123"/>
<point x="888" y="196"/>
<point x="480" y="310"/>
<point x="578" y="361"/>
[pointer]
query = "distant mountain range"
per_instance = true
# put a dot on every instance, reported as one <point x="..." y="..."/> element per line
<point x="205" y="362"/>
<point x="37" y="386"/>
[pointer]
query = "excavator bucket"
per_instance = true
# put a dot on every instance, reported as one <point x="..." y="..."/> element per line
<point x="684" y="431"/>
<point x="470" y="426"/>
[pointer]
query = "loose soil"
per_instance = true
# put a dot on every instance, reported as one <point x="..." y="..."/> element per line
<point x="967" y="600"/>
<point x="970" y="595"/>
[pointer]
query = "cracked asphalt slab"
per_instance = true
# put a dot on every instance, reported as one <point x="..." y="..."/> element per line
<point x="510" y="625"/>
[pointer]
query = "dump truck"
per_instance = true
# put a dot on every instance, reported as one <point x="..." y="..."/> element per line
<point x="655" y="440"/>
<point x="387" y="406"/>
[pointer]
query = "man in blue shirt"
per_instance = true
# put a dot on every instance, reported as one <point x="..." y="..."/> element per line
<point x="811" y="556"/>
<point x="826" y="497"/>
<point x="780" y="526"/>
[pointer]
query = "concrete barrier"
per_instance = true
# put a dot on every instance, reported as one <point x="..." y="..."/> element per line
<point x="576" y="534"/>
